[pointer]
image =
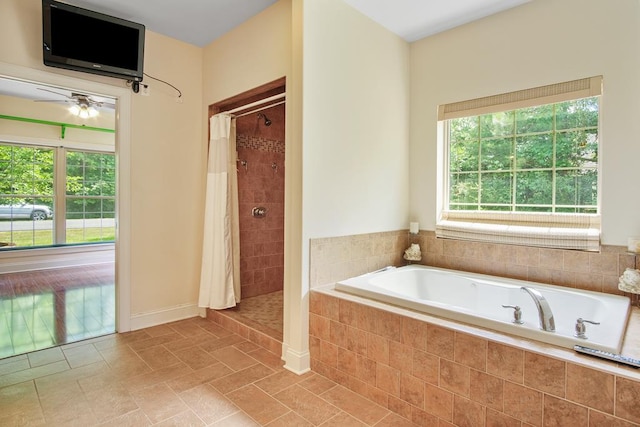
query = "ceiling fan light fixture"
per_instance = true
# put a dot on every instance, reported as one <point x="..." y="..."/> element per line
<point x="83" y="111"/>
<point x="83" y="106"/>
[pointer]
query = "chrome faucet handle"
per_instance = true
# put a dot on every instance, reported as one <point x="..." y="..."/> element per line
<point x="547" y="323"/>
<point x="517" y="313"/>
<point x="581" y="329"/>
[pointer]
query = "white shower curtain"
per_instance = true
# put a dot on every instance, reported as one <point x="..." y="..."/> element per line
<point x="220" y="274"/>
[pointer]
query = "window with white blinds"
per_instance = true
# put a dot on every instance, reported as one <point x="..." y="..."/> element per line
<point x="522" y="167"/>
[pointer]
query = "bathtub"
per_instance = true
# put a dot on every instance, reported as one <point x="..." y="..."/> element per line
<point x="478" y="299"/>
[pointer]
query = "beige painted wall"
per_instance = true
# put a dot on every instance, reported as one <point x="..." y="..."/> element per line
<point x="167" y="194"/>
<point x="256" y="52"/>
<point x="541" y="42"/>
<point x="354" y="154"/>
<point x="167" y="147"/>
<point x="356" y="110"/>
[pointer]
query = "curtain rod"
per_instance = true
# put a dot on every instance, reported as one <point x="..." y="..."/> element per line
<point x="255" y="110"/>
<point x="256" y="103"/>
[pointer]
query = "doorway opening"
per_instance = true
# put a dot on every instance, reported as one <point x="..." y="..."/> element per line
<point x="260" y="144"/>
<point x="57" y="275"/>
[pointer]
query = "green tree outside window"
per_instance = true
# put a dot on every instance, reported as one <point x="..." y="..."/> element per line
<point x="536" y="159"/>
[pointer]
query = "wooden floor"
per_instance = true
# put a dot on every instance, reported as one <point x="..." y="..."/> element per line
<point x="46" y="308"/>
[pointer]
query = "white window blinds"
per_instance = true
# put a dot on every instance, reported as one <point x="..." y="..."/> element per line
<point x="559" y="92"/>
<point x="561" y="231"/>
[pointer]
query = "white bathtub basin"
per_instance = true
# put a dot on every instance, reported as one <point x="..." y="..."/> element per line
<point x="477" y="299"/>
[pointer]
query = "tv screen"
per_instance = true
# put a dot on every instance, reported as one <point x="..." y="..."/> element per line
<point x="83" y="40"/>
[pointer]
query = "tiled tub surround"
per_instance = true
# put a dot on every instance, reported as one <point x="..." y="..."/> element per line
<point x="436" y="372"/>
<point x="339" y="258"/>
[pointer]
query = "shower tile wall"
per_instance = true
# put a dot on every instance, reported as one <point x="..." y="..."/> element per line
<point x="261" y="184"/>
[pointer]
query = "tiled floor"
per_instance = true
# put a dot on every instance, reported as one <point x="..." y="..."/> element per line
<point x="41" y="309"/>
<point x="191" y="372"/>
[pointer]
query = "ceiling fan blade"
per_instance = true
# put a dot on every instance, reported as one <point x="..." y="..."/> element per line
<point x="77" y="98"/>
<point x="57" y="93"/>
<point x="55" y="101"/>
<point x="101" y="104"/>
<point x="81" y="97"/>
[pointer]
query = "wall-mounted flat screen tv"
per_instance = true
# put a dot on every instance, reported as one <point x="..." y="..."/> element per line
<point x="83" y="40"/>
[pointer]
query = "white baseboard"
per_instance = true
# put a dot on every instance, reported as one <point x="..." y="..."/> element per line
<point x="296" y="361"/>
<point x="159" y="317"/>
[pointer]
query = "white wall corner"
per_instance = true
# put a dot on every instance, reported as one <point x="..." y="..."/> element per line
<point x="167" y="315"/>
<point x="298" y="362"/>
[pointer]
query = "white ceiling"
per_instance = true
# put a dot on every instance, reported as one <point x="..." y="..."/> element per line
<point x="199" y="22"/>
<point x="415" y="19"/>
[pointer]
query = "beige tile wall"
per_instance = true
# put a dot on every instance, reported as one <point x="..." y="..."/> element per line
<point x="333" y="259"/>
<point x="338" y="258"/>
<point x="434" y="375"/>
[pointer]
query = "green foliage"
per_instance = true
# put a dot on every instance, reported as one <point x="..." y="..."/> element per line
<point x="90" y="174"/>
<point x="496" y="154"/>
<point x="497" y="124"/>
<point x="496" y="188"/>
<point x="464" y="188"/>
<point x="533" y="188"/>
<point x="534" y="119"/>
<point x="534" y="151"/>
<point x="27" y="176"/>
<point x="541" y="159"/>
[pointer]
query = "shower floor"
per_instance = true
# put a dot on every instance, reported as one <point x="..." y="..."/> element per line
<point x="262" y="312"/>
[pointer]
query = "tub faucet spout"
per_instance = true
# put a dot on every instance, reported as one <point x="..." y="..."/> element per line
<point x="544" y="310"/>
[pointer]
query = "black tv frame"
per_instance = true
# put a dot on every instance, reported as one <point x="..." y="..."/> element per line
<point x="86" y="66"/>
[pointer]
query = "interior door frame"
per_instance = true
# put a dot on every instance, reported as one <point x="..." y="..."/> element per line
<point x="123" y="176"/>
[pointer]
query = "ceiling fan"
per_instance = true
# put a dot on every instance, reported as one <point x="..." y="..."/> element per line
<point x="83" y="106"/>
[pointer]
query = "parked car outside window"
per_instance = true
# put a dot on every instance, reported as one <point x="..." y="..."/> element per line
<point x="25" y="211"/>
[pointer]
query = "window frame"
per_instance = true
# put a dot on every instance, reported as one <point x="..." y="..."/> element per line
<point x="59" y="185"/>
<point x="554" y="230"/>
<point x="64" y="151"/>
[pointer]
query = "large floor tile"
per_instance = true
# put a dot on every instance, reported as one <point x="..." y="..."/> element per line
<point x="186" y="373"/>
<point x="258" y="404"/>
